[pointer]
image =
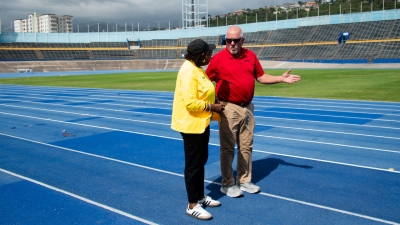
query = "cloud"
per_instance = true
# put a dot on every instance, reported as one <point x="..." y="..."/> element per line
<point x="118" y="11"/>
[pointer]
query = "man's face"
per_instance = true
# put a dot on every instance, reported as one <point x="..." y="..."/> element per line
<point x="234" y="42"/>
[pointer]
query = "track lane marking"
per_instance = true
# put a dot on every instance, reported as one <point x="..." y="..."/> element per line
<point x="180" y="175"/>
<point x="172" y="138"/>
<point x="79" y="197"/>
<point x="258" y="135"/>
<point x="259" y="124"/>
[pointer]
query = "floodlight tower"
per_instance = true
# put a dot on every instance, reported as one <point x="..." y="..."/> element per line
<point x="194" y="13"/>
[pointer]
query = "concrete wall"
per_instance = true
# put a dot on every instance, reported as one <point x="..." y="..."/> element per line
<point x="201" y="32"/>
<point x="91" y="65"/>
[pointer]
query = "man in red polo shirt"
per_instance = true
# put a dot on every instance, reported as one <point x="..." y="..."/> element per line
<point x="234" y="70"/>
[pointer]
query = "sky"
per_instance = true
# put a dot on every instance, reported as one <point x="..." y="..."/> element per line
<point x="145" y="12"/>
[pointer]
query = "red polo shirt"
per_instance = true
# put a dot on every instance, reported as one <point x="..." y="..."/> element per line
<point x="235" y="76"/>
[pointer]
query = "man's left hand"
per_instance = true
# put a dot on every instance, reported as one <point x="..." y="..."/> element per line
<point x="290" y="78"/>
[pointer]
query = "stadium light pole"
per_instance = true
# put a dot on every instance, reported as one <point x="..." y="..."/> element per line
<point x="276" y="18"/>
<point x="361" y="11"/>
<point x="256" y="23"/>
<point x="372" y="2"/>
<point x="383" y="9"/>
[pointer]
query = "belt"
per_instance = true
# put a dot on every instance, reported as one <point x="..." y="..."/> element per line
<point x="243" y="104"/>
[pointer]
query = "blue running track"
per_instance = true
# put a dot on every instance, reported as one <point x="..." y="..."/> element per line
<point x="98" y="156"/>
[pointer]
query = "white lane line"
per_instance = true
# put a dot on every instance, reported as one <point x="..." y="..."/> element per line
<point x="260" y="103"/>
<point x="79" y="197"/>
<point x="207" y="181"/>
<point x="104" y="109"/>
<point x="313" y="121"/>
<point x="328" y="103"/>
<point x="167" y="124"/>
<point x="140" y="99"/>
<point x="66" y="101"/>
<point x="258" y="135"/>
<point x="329" y="143"/>
<point x="157" y="102"/>
<point x="172" y="138"/>
<point x="270" y="104"/>
<point x="87" y="125"/>
<point x="147" y="105"/>
<point x="83" y="91"/>
<point x="318" y="106"/>
<point x="86" y="114"/>
<point x="326" y="161"/>
<point x="330" y="116"/>
<point x="327" y="131"/>
<point x="90" y="98"/>
<point x="330" y="208"/>
<point x="262" y="117"/>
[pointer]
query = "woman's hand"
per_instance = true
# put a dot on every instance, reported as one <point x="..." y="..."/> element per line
<point x="217" y="107"/>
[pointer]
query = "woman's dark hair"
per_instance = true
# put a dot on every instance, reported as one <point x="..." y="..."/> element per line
<point x="197" y="59"/>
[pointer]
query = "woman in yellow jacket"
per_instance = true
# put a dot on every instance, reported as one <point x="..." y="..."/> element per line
<point x="193" y="107"/>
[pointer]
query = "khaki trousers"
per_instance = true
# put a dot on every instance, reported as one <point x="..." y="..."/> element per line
<point x="236" y="127"/>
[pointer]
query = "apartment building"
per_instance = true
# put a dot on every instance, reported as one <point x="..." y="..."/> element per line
<point x="46" y="23"/>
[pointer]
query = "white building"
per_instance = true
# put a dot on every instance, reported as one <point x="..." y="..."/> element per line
<point x="65" y="24"/>
<point x="20" y="25"/>
<point x="46" y="23"/>
<point x="33" y="23"/>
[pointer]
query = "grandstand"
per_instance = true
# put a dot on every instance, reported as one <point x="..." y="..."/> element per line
<point x="369" y="42"/>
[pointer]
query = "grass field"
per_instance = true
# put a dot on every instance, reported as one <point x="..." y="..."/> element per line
<point x="357" y="84"/>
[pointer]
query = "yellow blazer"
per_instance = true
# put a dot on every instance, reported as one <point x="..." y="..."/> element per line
<point x="193" y="92"/>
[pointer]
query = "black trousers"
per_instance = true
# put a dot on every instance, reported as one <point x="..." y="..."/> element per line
<point x="196" y="156"/>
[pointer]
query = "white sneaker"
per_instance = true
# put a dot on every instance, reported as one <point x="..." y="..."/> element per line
<point x="208" y="201"/>
<point x="231" y="191"/>
<point x="250" y="188"/>
<point x="198" y="212"/>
